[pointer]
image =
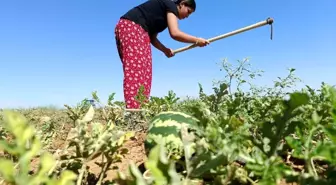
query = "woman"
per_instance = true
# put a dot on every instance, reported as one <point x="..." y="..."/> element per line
<point x="137" y="30"/>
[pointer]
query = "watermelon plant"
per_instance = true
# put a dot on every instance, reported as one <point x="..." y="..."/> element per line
<point x="262" y="135"/>
<point x="25" y="146"/>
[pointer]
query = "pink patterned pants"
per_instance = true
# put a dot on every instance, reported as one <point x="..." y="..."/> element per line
<point x="134" y="49"/>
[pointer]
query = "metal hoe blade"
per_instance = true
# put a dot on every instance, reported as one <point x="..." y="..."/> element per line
<point x="253" y="26"/>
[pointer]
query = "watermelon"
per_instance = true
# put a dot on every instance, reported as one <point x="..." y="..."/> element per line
<point x="165" y="128"/>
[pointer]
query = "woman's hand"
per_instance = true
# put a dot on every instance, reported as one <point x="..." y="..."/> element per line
<point x="168" y="52"/>
<point x="202" y="42"/>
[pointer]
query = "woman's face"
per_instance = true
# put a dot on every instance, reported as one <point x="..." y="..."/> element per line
<point x="185" y="11"/>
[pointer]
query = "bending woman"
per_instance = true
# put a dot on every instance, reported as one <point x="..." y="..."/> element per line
<point x="137" y="30"/>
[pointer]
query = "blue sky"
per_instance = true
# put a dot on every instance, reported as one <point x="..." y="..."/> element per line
<point x="58" y="52"/>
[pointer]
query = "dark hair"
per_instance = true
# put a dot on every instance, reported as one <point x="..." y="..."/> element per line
<point x="190" y="3"/>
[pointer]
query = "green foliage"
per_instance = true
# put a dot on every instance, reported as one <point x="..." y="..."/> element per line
<point x="246" y="134"/>
<point x="161" y="171"/>
<point x="87" y="144"/>
<point x="86" y="141"/>
<point x="23" y="135"/>
<point x="261" y="136"/>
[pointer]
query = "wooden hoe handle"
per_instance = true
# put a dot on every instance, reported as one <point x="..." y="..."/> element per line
<point x="253" y="26"/>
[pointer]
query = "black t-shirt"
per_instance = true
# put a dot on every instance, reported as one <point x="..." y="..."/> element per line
<point x="152" y="15"/>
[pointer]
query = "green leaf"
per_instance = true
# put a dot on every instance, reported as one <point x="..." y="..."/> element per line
<point x="25" y="135"/>
<point x="89" y="115"/>
<point x="297" y="99"/>
<point x="175" y="178"/>
<point x="291" y="69"/>
<point x="157" y="164"/>
<point x="47" y="162"/>
<point x="326" y="151"/>
<point x="316" y="118"/>
<point x="134" y="171"/>
<point x="10" y="148"/>
<point x="203" y="163"/>
<point x="7" y="170"/>
<point x="266" y="147"/>
<point x="296" y="145"/>
<point x="330" y="130"/>
<point x="29" y="154"/>
<point x="67" y="178"/>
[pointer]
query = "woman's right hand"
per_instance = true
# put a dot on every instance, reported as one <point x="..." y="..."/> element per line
<point x="202" y="42"/>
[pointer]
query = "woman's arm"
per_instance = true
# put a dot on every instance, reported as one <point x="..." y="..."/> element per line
<point x="178" y="35"/>
<point x="175" y="33"/>
<point x="157" y="44"/>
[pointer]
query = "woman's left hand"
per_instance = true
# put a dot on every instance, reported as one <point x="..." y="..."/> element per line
<point x="169" y="52"/>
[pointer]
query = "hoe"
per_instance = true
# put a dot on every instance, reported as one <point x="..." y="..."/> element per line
<point x="253" y="26"/>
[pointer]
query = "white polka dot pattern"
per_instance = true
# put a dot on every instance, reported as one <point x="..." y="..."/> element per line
<point x="134" y="49"/>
